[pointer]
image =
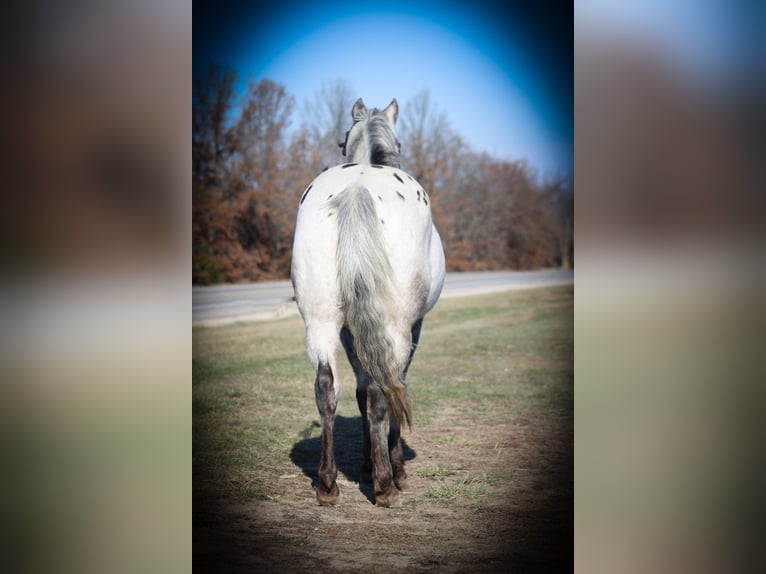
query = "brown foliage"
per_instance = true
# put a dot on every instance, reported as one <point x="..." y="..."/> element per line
<point x="248" y="177"/>
<point x="246" y="181"/>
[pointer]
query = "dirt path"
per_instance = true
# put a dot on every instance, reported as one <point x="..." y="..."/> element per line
<point x="481" y="498"/>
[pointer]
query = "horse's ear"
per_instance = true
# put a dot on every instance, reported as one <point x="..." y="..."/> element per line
<point x="392" y="111"/>
<point x="357" y="110"/>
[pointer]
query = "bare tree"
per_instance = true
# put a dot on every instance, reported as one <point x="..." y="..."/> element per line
<point x="242" y="222"/>
<point x="213" y="95"/>
<point x="328" y="118"/>
<point x="248" y="175"/>
<point x="430" y="147"/>
<point x="212" y="98"/>
<point x="259" y="134"/>
<point x="560" y="195"/>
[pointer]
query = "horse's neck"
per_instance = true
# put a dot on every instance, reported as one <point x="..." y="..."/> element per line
<point x="383" y="157"/>
<point x="362" y="152"/>
<point x="366" y="155"/>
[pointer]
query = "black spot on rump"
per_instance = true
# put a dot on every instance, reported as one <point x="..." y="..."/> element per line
<point x="396" y="175"/>
<point x="400" y="196"/>
<point x="345" y="165"/>
<point x="376" y="166"/>
<point x="305" y="193"/>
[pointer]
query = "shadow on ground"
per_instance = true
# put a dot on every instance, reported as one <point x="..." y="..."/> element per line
<point x="348" y="452"/>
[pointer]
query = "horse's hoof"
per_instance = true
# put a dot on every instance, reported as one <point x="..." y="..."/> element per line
<point x="325" y="497"/>
<point x="400" y="478"/>
<point x="390" y="499"/>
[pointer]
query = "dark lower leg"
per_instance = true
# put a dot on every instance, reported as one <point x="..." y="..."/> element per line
<point x="361" y="400"/>
<point x="395" y="449"/>
<point x="386" y="493"/>
<point x="396" y="452"/>
<point x="327" y="491"/>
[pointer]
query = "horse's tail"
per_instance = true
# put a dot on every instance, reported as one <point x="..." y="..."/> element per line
<point x="365" y="293"/>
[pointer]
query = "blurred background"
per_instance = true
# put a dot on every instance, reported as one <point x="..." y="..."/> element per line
<point x="669" y="462"/>
<point x="98" y="248"/>
<point x="95" y="336"/>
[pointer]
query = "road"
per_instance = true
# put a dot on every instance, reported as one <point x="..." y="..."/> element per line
<point x="223" y="304"/>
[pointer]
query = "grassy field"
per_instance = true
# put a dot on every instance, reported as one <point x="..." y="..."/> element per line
<point x="492" y="393"/>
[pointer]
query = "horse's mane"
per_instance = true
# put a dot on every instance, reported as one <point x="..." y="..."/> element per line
<point x="382" y="142"/>
<point x="384" y="147"/>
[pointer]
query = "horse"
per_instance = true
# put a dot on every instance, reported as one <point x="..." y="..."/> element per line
<point x="367" y="265"/>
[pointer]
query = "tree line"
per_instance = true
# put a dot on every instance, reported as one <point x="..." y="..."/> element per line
<point x="249" y="170"/>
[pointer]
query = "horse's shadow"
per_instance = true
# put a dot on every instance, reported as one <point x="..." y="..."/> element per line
<point x="348" y="452"/>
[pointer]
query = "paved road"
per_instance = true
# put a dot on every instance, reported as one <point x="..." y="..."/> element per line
<point x="222" y="304"/>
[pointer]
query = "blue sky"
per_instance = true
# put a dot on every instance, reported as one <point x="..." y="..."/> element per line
<point x="502" y="75"/>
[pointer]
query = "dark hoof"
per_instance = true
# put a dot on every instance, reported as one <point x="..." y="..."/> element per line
<point x="325" y="497"/>
<point x="400" y="478"/>
<point x="390" y="499"/>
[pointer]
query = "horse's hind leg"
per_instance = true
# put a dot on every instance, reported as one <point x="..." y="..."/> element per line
<point x="365" y="474"/>
<point x="362" y="382"/>
<point x="327" y="491"/>
<point x="396" y="452"/>
<point x="321" y="344"/>
<point x="383" y="452"/>
<point x="386" y="493"/>
<point x="416" y="326"/>
<point x="394" y="441"/>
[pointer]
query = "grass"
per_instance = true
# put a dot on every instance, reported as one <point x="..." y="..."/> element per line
<point x="481" y="360"/>
<point x="437" y="471"/>
<point x="467" y="487"/>
<point x="507" y="354"/>
<point x="448" y="484"/>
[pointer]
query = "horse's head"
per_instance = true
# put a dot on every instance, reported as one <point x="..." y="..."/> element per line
<point x="372" y="137"/>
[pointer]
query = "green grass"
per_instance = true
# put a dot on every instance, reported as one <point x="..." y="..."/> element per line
<point x="507" y="354"/>
<point x="437" y="471"/>
<point x="453" y="483"/>
<point x="481" y="359"/>
<point x="450" y="492"/>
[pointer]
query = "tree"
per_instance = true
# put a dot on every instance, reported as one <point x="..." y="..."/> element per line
<point x="241" y="219"/>
<point x="328" y="117"/>
<point x="430" y="147"/>
<point x="259" y="134"/>
<point x="560" y="194"/>
<point x="212" y="99"/>
<point x="249" y="174"/>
